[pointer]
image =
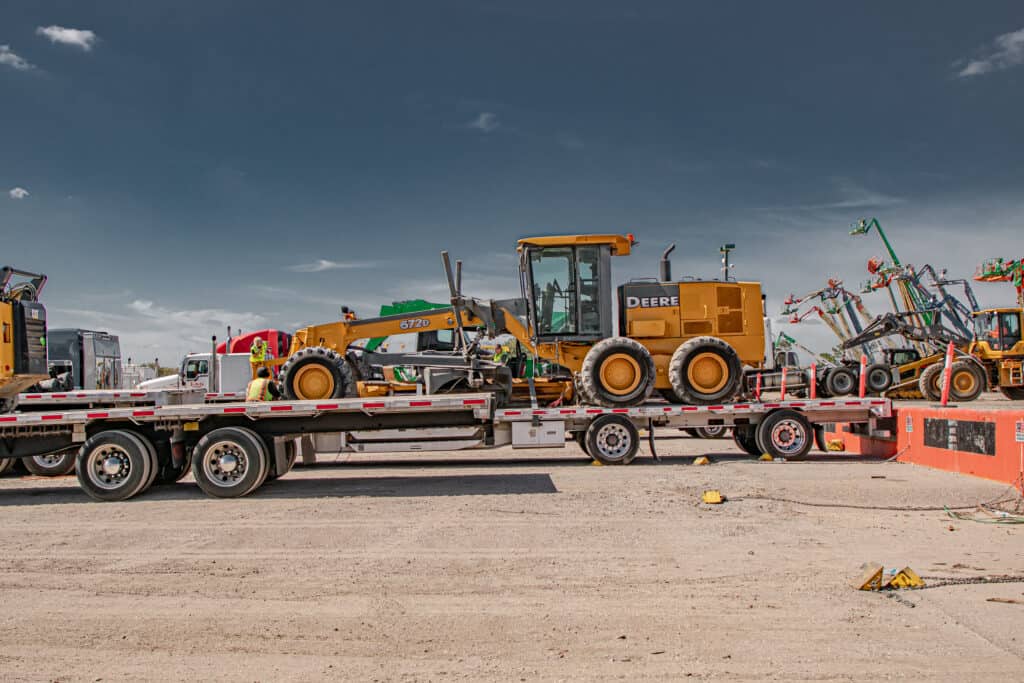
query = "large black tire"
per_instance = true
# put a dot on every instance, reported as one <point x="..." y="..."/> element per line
<point x="745" y="437"/>
<point x="6" y="465"/>
<point x="928" y="382"/>
<point x="1013" y="393"/>
<point x="841" y="382"/>
<point x="581" y="440"/>
<point x="785" y="434"/>
<point x="669" y="395"/>
<point x="316" y="373"/>
<point x="878" y="378"/>
<point x="613" y="440"/>
<point x="819" y="438"/>
<point x="616" y="372"/>
<point x="53" y="464"/>
<point x="705" y="370"/>
<point x="113" y="465"/>
<point x="230" y="462"/>
<point x="710" y="432"/>
<point x="153" y="459"/>
<point x="291" y="453"/>
<point x="966" y="381"/>
<point x="168" y="473"/>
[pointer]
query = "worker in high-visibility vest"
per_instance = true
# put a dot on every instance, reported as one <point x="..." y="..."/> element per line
<point x="258" y="351"/>
<point x="263" y="388"/>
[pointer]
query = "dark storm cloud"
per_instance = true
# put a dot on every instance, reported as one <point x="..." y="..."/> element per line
<point x="262" y="164"/>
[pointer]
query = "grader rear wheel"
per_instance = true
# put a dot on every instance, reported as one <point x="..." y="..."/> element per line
<point x="617" y="372"/>
<point x="705" y="370"/>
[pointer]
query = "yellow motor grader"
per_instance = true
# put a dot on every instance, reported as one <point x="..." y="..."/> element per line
<point x="688" y="340"/>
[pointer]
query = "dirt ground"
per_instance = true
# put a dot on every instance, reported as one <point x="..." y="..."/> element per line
<point x="514" y="568"/>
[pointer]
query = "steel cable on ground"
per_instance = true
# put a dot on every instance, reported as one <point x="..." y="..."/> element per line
<point x="999" y="500"/>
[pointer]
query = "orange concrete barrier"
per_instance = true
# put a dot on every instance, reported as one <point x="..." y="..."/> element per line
<point x="983" y="443"/>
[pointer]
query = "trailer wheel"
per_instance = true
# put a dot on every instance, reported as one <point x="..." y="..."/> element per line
<point x="785" y="434"/>
<point x="290" y="452"/>
<point x="705" y="370"/>
<point x="819" y="438"/>
<point x="1013" y="393"/>
<point x="581" y="440"/>
<point x="711" y="432"/>
<point x="616" y="372"/>
<point x="929" y="380"/>
<point x="841" y="382"/>
<point x="230" y="462"/>
<point x="878" y="378"/>
<point x="317" y="373"/>
<point x="613" y="440"/>
<point x="6" y="465"/>
<point x="745" y="437"/>
<point x="823" y="382"/>
<point x="154" y="460"/>
<point x="966" y="381"/>
<point x="52" y="464"/>
<point x="113" y="465"/>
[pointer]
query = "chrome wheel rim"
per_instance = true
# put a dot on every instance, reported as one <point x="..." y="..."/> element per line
<point x="788" y="437"/>
<point x="613" y="441"/>
<point x="225" y="464"/>
<point x="109" y="467"/>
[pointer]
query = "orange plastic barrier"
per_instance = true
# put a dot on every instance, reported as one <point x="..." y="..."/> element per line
<point x="983" y="443"/>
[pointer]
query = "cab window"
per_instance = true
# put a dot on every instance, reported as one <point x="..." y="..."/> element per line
<point x="554" y="291"/>
<point x="1009" y="329"/>
<point x="986" y="329"/>
<point x="195" y="368"/>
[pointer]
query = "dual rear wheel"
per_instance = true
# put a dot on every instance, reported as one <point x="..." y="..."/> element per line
<point x="783" y="434"/>
<point x="620" y="371"/>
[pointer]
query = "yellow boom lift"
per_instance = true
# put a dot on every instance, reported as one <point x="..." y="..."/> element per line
<point x="689" y="340"/>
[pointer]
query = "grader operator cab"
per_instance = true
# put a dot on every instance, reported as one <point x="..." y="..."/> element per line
<point x="689" y="339"/>
<point x="22" y="333"/>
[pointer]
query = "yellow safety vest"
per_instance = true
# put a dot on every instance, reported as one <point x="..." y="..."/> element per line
<point x="258" y="390"/>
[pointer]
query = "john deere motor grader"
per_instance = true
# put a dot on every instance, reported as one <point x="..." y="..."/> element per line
<point x="689" y="340"/>
<point x="22" y="333"/>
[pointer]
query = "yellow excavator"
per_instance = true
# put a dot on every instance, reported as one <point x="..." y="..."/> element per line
<point x="688" y="340"/>
<point x="22" y="333"/>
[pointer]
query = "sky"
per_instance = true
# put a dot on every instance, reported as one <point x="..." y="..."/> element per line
<point x="175" y="168"/>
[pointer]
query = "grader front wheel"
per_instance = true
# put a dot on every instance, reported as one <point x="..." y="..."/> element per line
<point x="317" y="373"/>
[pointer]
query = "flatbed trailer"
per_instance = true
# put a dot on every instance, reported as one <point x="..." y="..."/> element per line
<point x="233" y="448"/>
<point x="109" y="398"/>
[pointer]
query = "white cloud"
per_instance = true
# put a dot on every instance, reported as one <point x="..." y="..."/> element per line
<point x="851" y="195"/>
<point x="148" y="329"/>
<point x="82" y="38"/>
<point x="9" y="58"/>
<point x="1006" y="50"/>
<point x="18" y="193"/>
<point x="320" y="265"/>
<point x="485" y="122"/>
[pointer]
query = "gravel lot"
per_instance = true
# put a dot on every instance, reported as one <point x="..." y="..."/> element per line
<point x="511" y="567"/>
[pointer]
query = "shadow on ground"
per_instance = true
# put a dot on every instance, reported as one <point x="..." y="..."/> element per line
<point x="316" y="487"/>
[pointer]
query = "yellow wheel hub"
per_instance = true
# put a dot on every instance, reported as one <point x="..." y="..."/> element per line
<point x="964" y="382"/>
<point x="620" y="374"/>
<point x="708" y="372"/>
<point x="313" y="382"/>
